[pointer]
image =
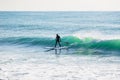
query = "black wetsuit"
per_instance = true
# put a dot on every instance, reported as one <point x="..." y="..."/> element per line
<point x="58" y="39"/>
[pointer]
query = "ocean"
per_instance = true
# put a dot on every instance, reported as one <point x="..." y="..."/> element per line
<point x="92" y="38"/>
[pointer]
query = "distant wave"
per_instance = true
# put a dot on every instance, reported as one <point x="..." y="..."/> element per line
<point x="72" y="41"/>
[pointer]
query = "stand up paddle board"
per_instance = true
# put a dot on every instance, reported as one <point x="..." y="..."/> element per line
<point x="55" y="48"/>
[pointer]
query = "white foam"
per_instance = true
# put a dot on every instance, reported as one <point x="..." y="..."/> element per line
<point x="19" y="63"/>
<point x="64" y="67"/>
<point x="95" y="35"/>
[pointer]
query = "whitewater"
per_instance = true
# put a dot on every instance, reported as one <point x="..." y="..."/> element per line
<point x="92" y="39"/>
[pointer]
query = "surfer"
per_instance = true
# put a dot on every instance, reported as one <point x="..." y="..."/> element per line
<point x="58" y="40"/>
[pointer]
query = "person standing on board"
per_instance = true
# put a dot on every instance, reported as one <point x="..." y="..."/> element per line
<point x="58" y="40"/>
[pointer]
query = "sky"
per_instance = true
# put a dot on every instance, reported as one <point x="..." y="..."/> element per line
<point x="59" y="5"/>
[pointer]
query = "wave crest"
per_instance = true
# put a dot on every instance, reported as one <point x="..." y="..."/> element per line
<point x="72" y="41"/>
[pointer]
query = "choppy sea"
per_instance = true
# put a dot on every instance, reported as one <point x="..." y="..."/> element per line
<point x="93" y="39"/>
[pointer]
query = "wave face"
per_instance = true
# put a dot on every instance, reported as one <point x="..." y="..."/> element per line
<point x="27" y="41"/>
<point x="79" y="30"/>
<point x="71" y="41"/>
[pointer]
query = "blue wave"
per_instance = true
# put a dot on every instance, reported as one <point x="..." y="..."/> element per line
<point x="72" y="41"/>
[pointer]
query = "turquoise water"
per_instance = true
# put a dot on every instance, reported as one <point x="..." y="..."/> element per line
<point x="93" y="39"/>
<point x="86" y="30"/>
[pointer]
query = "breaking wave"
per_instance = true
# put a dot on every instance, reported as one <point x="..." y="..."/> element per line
<point x="71" y="41"/>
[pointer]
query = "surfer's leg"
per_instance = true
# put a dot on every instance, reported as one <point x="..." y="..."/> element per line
<point x="59" y="44"/>
<point x="55" y="43"/>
